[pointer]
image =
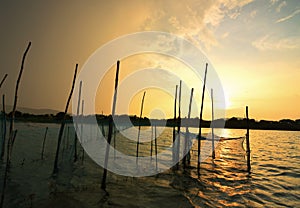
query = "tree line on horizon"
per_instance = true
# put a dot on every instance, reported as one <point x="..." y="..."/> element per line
<point x="234" y="122"/>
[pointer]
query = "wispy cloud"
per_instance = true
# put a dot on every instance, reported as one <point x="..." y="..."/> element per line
<point x="289" y="16"/>
<point x="268" y="42"/>
<point x="280" y="6"/>
<point x="195" y="20"/>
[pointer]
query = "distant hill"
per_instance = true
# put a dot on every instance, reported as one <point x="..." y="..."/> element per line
<point x="32" y="110"/>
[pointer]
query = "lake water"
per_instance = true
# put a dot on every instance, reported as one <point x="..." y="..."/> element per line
<point x="274" y="180"/>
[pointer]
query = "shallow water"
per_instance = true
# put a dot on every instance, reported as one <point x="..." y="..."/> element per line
<point x="273" y="182"/>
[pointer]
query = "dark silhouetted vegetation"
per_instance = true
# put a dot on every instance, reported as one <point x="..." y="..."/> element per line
<point x="231" y="123"/>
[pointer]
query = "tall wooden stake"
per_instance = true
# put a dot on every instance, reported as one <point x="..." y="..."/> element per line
<point x="155" y="143"/>
<point x="102" y="127"/>
<point x="43" y="147"/>
<point x="110" y="128"/>
<point x="11" y="128"/>
<point x="3" y="127"/>
<point x="77" y="114"/>
<point x="3" y="120"/>
<point x="248" y="143"/>
<point x="62" y="126"/>
<point x="81" y="128"/>
<point x="200" y="121"/>
<point x="151" y="143"/>
<point x="115" y="145"/>
<point x="174" y="127"/>
<point x="1" y="83"/>
<point x="139" y="131"/>
<point x="186" y="152"/>
<point x="178" y="126"/>
<point x="212" y="125"/>
<point x="12" y="133"/>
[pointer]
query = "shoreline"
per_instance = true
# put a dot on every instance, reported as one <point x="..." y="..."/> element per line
<point x="253" y="125"/>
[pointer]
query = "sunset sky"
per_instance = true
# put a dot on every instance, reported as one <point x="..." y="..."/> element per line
<point x="254" y="46"/>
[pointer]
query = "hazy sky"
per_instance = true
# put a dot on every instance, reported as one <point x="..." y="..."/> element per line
<point x="253" y="45"/>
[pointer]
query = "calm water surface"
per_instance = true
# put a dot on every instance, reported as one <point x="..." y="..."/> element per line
<point x="273" y="182"/>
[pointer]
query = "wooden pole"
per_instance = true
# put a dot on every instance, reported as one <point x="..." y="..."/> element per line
<point x="1" y="83"/>
<point x="3" y="120"/>
<point x="115" y="145"/>
<point x="11" y="128"/>
<point x="186" y="152"/>
<point x="61" y="130"/>
<point x="155" y="143"/>
<point x="248" y="143"/>
<point x="200" y="122"/>
<point x="63" y="146"/>
<point x="139" y="131"/>
<point x="102" y="127"/>
<point x="212" y="125"/>
<point x="12" y="133"/>
<point x="81" y="128"/>
<point x="4" y="127"/>
<point x="2" y="132"/>
<point x="77" y="114"/>
<point x="82" y="109"/>
<point x="110" y="128"/>
<point x="151" y="143"/>
<point x="174" y="131"/>
<point x="8" y="153"/>
<point x="178" y="126"/>
<point x="43" y="147"/>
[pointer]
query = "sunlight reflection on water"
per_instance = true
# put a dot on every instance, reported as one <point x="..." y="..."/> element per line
<point x="274" y="179"/>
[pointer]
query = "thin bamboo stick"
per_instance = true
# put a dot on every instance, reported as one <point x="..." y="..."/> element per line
<point x="110" y="128"/>
<point x="11" y="128"/>
<point x="12" y="133"/>
<point x="139" y="131"/>
<point x="61" y="130"/>
<point x="155" y="143"/>
<point x="151" y="143"/>
<point x="102" y="127"/>
<point x="4" y="127"/>
<point x="63" y="148"/>
<point x="174" y="126"/>
<point x="3" y="122"/>
<point x="178" y="126"/>
<point x="8" y="153"/>
<point x="77" y="114"/>
<point x="186" y="152"/>
<point x="43" y="147"/>
<point x="212" y="125"/>
<point x="5" y="76"/>
<point x="81" y="129"/>
<point x="2" y="132"/>
<point x="248" y="143"/>
<point x="200" y="122"/>
<point x="115" y="145"/>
